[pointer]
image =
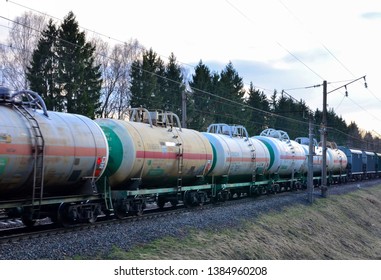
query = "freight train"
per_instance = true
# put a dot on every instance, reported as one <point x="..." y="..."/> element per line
<point x="72" y="169"/>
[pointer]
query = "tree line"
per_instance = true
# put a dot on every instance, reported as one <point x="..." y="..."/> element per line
<point x="94" y="78"/>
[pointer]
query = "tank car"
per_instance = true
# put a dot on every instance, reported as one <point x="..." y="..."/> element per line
<point x="236" y="157"/>
<point x="47" y="154"/>
<point x="151" y="151"/>
<point x="286" y="156"/>
<point x="338" y="160"/>
<point x="317" y="156"/>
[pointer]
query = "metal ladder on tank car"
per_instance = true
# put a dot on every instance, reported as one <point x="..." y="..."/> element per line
<point x="253" y="159"/>
<point x="292" y="149"/>
<point x="180" y="158"/>
<point x="171" y="120"/>
<point x="38" y="166"/>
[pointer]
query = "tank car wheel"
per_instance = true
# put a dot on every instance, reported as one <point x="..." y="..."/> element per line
<point x="93" y="219"/>
<point x="174" y="202"/>
<point x="27" y="220"/>
<point x="138" y="209"/>
<point x="201" y="198"/>
<point x="62" y="215"/>
<point x="188" y="199"/>
<point x="226" y="195"/>
<point x="160" y="202"/>
<point x="120" y="213"/>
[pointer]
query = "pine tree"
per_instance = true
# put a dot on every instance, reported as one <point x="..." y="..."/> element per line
<point x="147" y="83"/>
<point x="200" y="115"/>
<point x="172" y="99"/>
<point x="230" y="88"/>
<point x="42" y="74"/>
<point x="258" y="117"/>
<point x="79" y="79"/>
<point x="63" y="70"/>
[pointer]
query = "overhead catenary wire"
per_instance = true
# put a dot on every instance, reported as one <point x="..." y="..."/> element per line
<point x="195" y="89"/>
<point x="227" y="100"/>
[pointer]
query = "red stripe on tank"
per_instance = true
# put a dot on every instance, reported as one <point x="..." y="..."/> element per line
<point x="25" y="150"/>
<point x="293" y="157"/>
<point x="239" y="159"/>
<point x="160" y="155"/>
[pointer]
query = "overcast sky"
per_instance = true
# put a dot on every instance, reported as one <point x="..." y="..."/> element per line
<point x="276" y="44"/>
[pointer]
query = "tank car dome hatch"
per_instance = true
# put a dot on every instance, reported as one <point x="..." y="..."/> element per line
<point x="306" y="141"/>
<point x="5" y="93"/>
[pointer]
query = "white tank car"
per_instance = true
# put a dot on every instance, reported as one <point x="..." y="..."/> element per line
<point x="317" y="157"/>
<point x="236" y="156"/>
<point x="63" y="149"/>
<point x="338" y="160"/>
<point x="286" y="156"/>
<point x="151" y="150"/>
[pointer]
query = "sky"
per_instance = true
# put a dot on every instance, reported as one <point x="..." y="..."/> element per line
<point x="289" y="45"/>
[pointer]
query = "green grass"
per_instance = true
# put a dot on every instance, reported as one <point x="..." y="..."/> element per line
<point x="339" y="227"/>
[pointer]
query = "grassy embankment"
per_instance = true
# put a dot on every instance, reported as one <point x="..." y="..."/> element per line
<point x="339" y="227"/>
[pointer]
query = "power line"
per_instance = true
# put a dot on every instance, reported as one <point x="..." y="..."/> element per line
<point x="211" y="94"/>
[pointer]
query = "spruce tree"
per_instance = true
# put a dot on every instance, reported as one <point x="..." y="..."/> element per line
<point x="175" y="87"/>
<point x="42" y="74"/>
<point x="229" y="108"/>
<point x="147" y="81"/>
<point x="257" y="111"/>
<point x="201" y="114"/>
<point x="79" y="77"/>
<point x="63" y="70"/>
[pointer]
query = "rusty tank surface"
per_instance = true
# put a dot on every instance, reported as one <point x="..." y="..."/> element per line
<point x="152" y="150"/>
<point x="55" y="151"/>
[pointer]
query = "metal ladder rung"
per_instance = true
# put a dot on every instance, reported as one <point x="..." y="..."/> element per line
<point x="38" y="166"/>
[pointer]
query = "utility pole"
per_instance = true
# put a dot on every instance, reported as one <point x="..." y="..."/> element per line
<point x="310" y="174"/>
<point x="323" y="134"/>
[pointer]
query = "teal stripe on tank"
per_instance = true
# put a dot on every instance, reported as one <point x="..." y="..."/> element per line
<point x="115" y="149"/>
<point x="271" y="151"/>
<point x="214" y="158"/>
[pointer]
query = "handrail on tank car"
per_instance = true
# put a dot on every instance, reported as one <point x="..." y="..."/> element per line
<point x="280" y="134"/>
<point x="34" y="100"/>
<point x="230" y="130"/>
<point x="143" y="115"/>
<point x="137" y="115"/>
<point x="330" y="144"/>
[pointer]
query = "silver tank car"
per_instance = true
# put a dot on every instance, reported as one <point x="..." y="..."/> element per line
<point x="287" y="156"/>
<point x="317" y="156"/>
<point x="236" y="156"/>
<point x="62" y="149"/>
<point x="151" y="150"/>
<point x="338" y="160"/>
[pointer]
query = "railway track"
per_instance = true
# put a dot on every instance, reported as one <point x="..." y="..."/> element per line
<point x="47" y="229"/>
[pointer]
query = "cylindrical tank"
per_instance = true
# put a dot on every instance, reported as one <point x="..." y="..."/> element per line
<point x="144" y="155"/>
<point x="75" y="148"/>
<point x="286" y="156"/>
<point x="236" y="156"/>
<point x="317" y="157"/>
<point x="337" y="160"/>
